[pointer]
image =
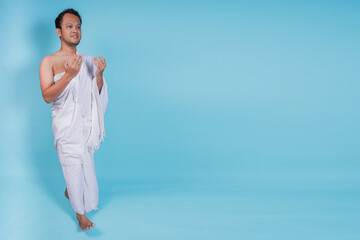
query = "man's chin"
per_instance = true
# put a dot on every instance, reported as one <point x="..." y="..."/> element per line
<point x="74" y="44"/>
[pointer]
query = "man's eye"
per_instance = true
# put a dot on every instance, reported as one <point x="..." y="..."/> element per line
<point x="69" y="26"/>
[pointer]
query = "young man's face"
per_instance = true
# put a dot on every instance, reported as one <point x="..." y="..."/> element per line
<point x="70" y="31"/>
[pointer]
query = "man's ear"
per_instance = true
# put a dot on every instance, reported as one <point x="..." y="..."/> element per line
<point x="58" y="32"/>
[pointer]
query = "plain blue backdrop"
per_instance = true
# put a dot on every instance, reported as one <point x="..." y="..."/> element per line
<point x="254" y="100"/>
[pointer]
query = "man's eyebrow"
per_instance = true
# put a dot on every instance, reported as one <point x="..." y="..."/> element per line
<point x="73" y="23"/>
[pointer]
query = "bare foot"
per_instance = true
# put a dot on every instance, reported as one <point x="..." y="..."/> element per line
<point x="84" y="222"/>
<point x="66" y="193"/>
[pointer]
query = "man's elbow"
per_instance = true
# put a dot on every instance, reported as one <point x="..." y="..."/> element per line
<point x="46" y="99"/>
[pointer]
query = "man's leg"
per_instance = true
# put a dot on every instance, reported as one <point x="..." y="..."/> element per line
<point x="74" y="180"/>
<point x="91" y="190"/>
<point x="75" y="184"/>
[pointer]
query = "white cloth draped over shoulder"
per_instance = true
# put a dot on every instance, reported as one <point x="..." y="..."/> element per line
<point x="80" y="106"/>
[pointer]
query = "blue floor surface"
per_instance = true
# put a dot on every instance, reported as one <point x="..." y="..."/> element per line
<point x="181" y="209"/>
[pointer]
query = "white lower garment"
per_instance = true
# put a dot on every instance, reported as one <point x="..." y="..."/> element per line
<point x="81" y="184"/>
<point x="79" y="174"/>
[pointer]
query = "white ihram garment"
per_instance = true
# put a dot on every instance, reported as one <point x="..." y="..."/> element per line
<point x="78" y="127"/>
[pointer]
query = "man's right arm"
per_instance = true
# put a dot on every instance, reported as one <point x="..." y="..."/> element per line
<point x="49" y="89"/>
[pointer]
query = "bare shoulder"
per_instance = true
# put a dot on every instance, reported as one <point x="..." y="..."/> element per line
<point x="54" y="57"/>
<point x="46" y="71"/>
<point x="54" y="62"/>
<point x="47" y="61"/>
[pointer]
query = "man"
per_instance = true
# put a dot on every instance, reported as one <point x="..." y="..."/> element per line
<point x="74" y="85"/>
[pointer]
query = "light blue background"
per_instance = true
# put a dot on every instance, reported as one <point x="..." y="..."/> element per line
<point x="248" y="111"/>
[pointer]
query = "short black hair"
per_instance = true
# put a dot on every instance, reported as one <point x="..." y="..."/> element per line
<point x="59" y="18"/>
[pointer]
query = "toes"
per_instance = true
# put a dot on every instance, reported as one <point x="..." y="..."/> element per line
<point x="88" y="226"/>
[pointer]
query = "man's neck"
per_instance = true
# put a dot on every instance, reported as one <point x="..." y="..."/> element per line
<point x="67" y="50"/>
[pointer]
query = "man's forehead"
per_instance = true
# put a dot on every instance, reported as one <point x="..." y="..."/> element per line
<point x="71" y="18"/>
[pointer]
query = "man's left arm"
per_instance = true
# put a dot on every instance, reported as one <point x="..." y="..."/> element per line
<point x="100" y="65"/>
<point x="100" y="82"/>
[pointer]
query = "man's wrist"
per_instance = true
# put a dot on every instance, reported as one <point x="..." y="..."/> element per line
<point x="68" y="77"/>
<point x="99" y="76"/>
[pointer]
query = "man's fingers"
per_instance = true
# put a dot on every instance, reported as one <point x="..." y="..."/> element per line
<point x="77" y="61"/>
<point x="67" y="61"/>
<point x="99" y="63"/>
<point x="77" y="58"/>
<point x="96" y="63"/>
<point x="96" y="58"/>
<point x="102" y="64"/>
<point x="80" y="61"/>
<point x="103" y="59"/>
<point x="72" y="60"/>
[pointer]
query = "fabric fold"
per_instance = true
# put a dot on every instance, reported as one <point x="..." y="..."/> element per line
<point x="78" y="105"/>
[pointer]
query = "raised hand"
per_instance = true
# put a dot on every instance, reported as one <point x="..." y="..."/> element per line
<point x="73" y="65"/>
<point x="100" y="64"/>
